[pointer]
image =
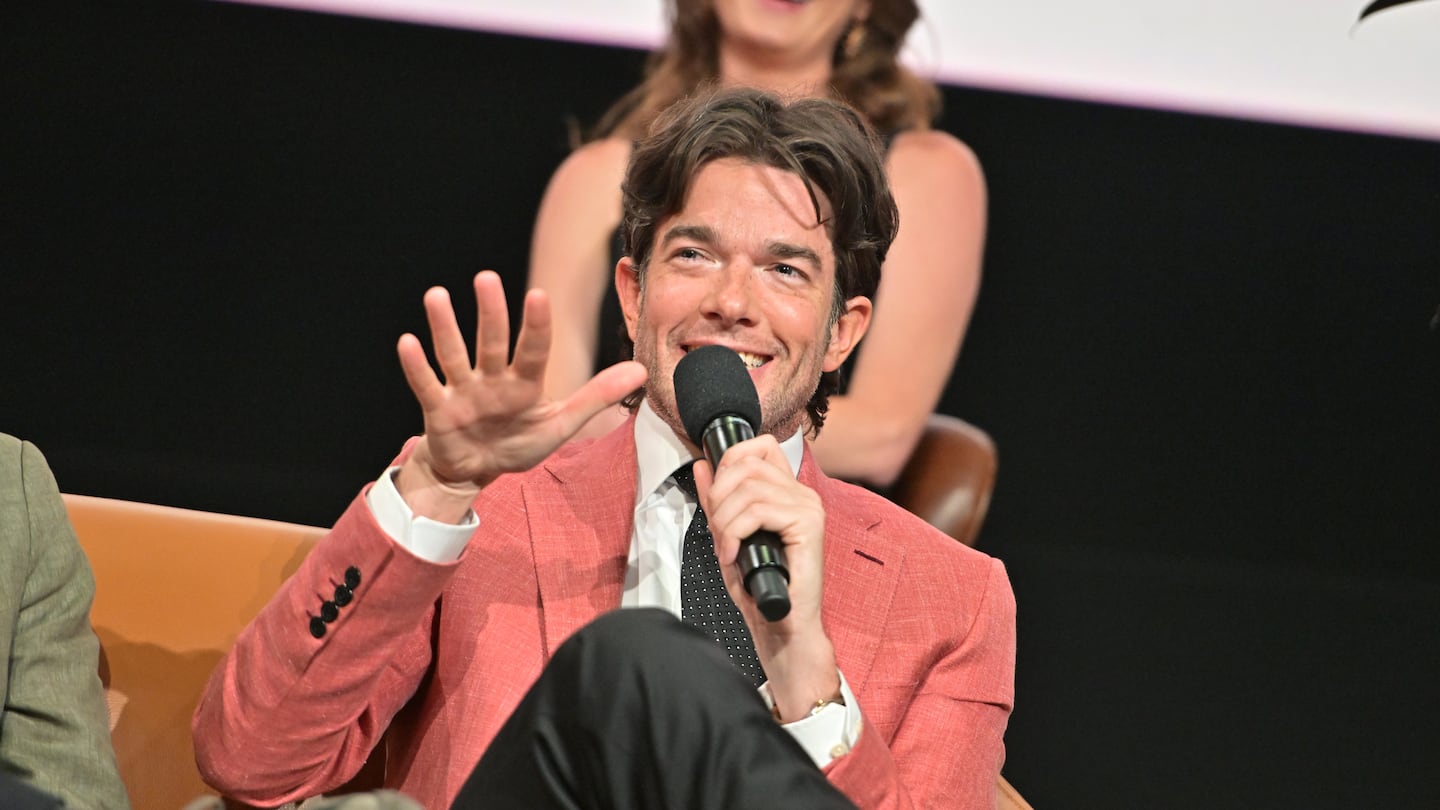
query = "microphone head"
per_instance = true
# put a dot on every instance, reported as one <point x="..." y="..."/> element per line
<point x="711" y="382"/>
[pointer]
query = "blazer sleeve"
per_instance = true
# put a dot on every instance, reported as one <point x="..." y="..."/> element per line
<point x="948" y="747"/>
<point x="56" y="727"/>
<point x="292" y="712"/>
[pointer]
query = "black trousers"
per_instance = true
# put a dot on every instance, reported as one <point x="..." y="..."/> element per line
<point x="639" y="710"/>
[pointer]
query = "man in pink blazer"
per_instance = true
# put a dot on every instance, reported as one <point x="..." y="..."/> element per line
<point x="444" y="593"/>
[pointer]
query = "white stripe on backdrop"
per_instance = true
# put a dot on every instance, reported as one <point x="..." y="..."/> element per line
<point x="1297" y="61"/>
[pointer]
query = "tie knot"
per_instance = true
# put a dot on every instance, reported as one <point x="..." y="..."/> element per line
<point x="684" y="477"/>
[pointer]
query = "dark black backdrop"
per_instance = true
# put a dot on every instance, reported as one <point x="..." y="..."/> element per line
<point x="1205" y="349"/>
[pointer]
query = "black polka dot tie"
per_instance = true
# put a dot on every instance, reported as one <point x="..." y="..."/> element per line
<point x="704" y="602"/>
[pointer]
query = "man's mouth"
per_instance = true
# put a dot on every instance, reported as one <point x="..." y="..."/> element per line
<point x="751" y="359"/>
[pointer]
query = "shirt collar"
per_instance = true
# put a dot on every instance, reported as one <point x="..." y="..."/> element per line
<point x="658" y="451"/>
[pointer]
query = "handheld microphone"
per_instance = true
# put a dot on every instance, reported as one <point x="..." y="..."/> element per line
<point x="719" y="407"/>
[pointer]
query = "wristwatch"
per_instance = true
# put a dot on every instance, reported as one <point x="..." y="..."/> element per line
<point x="837" y="699"/>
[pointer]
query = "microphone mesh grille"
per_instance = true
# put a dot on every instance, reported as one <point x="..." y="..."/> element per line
<point x="711" y="382"/>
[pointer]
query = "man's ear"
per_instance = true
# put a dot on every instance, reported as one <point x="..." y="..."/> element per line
<point x="847" y="331"/>
<point x="627" y="287"/>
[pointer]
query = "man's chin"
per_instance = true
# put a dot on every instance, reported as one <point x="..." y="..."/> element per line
<point x="668" y="413"/>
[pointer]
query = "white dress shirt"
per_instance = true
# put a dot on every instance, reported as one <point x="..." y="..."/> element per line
<point x="652" y="576"/>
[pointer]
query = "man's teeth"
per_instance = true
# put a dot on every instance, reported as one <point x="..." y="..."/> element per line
<point x="751" y="360"/>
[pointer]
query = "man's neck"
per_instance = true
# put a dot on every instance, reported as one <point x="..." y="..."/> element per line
<point x="658" y="450"/>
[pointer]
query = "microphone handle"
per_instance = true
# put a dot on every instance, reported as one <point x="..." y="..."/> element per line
<point x="762" y="565"/>
<point x="722" y="433"/>
<point x="762" y="554"/>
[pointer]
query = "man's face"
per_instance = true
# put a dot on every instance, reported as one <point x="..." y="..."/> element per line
<point x="744" y="264"/>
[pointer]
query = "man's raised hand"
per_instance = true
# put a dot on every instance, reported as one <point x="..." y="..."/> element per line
<point x="492" y="417"/>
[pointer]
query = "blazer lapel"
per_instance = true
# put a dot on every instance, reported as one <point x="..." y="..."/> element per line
<point x="581" y="517"/>
<point x="861" y="573"/>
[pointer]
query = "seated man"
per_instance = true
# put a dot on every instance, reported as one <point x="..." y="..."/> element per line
<point x="440" y="605"/>
<point x="54" y="730"/>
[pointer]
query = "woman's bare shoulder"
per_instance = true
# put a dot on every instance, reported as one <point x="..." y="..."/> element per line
<point x="604" y="159"/>
<point x="930" y="158"/>
<point x="582" y="201"/>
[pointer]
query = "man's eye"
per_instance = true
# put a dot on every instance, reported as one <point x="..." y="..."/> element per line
<point x="687" y="253"/>
<point x="787" y="270"/>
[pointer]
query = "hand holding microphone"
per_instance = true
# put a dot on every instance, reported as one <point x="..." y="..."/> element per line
<point x="720" y="408"/>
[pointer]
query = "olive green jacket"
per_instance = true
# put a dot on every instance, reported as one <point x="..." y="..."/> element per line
<point x="54" y="728"/>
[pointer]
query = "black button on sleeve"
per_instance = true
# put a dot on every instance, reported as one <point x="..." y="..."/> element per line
<point x="343" y="595"/>
<point x="329" y="612"/>
<point x="352" y="577"/>
<point x="317" y="627"/>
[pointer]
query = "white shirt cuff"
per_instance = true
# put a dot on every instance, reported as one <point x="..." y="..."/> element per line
<point x="831" y="732"/>
<point x="430" y="540"/>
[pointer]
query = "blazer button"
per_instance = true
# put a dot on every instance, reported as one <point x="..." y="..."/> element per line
<point x="352" y="577"/>
<point x="317" y="627"/>
<point x="329" y="612"/>
<point x="343" y="595"/>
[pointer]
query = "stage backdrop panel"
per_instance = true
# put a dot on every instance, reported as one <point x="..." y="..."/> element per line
<point x="1207" y="350"/>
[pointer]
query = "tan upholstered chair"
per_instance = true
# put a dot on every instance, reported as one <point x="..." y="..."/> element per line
<point x="173" y="588"/>
<point x="949" y="477"/>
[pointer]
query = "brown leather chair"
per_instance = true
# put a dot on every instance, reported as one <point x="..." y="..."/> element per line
<point x="173" y="588"/>
<point x="949" y="477"/>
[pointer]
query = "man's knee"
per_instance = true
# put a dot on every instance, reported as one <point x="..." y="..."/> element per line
<point x="634" y="635"/>
<point x="643" y="647"/>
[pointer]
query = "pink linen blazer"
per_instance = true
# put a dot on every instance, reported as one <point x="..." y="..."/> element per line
<point x="923" y="627"/>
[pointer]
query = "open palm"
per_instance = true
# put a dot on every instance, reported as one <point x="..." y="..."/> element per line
<point x="492" y="417"/>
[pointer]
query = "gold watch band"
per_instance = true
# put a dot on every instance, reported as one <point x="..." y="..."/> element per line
<point x="838" y="699"/>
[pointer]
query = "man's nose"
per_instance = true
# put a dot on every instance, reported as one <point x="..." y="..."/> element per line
<point x="732" y="295"/>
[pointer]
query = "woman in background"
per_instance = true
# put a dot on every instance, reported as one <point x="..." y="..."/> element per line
<point x="844" y="48"/>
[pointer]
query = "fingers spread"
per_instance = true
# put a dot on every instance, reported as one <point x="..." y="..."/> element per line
<point x="600" y="392"/>
<point x="450" y="351"/>
<point x="492" y="342"/>
<point x="429" y="392"/>
<point x="532" y="348"/>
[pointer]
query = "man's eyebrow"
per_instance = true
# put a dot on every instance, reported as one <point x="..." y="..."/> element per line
<point x="694" y="233"/>
<point x="786" y="250"/>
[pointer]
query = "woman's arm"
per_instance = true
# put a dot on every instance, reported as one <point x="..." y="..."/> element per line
<point x="927" y="292"/>
<point x="570" y="259"/>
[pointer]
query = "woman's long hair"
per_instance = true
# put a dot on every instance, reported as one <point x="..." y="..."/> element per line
<point x="871" y="79"/>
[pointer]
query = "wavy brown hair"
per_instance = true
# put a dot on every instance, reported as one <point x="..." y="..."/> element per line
<point x="872" y="80"/>
<point x="824" y="142"/>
